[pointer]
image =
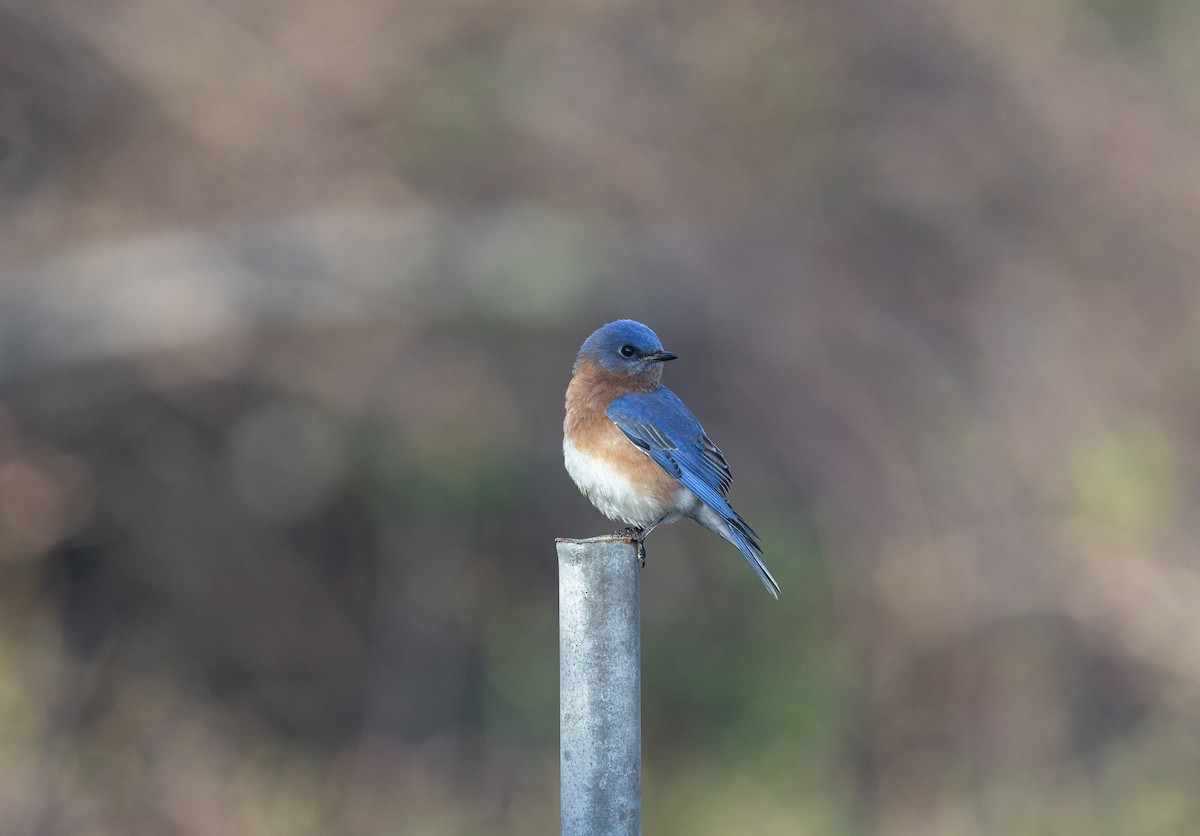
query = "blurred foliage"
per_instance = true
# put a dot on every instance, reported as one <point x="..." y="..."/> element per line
<point x="288" y="303"/>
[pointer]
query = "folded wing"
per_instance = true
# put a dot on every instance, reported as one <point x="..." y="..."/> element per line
<point x="665" y="429"/>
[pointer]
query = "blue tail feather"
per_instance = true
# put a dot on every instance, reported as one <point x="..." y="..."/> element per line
<point x="750" y="546"/>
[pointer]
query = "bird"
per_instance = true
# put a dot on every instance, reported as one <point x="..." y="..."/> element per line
<point x="638" y="453"/>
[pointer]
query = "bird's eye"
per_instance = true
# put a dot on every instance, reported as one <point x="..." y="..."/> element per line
<point x="628" y="351"/>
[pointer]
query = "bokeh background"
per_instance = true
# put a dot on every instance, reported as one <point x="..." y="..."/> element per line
<point x="289" y="295"/>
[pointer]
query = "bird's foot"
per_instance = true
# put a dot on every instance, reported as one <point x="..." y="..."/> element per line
<point x="636" y="536"/>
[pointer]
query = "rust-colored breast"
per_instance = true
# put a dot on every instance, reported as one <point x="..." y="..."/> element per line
<point x="595" y="435"/>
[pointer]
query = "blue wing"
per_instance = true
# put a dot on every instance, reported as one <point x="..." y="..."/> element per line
<point x="666" y="430"/>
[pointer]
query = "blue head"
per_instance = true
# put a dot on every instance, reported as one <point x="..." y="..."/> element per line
<point x="625" y="347"/>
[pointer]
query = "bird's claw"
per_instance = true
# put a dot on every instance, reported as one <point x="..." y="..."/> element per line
<point x="636" y="536"/>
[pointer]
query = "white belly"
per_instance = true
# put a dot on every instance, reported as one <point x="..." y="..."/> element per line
<point x="611" y="493"/>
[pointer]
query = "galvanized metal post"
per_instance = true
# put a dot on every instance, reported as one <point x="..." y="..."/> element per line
<point x="600" y="684"/>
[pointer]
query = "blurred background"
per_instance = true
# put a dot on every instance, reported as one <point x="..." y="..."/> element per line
<point x="289" y="296"/>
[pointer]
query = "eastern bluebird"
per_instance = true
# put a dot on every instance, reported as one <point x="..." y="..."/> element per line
<point x="637" y="452"/>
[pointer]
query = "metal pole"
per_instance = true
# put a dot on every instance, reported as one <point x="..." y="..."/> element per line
<point x="599" y="615"/>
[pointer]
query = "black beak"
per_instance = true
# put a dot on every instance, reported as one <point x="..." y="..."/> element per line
<point x="660" y="356"/>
